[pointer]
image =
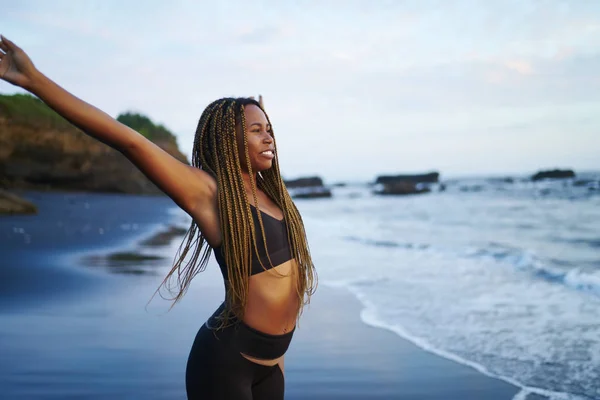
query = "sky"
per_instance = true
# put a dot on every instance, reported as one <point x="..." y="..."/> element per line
<point x="354" y="89"/>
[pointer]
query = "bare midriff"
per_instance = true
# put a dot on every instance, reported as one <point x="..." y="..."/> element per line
<point x="272" y="303"/>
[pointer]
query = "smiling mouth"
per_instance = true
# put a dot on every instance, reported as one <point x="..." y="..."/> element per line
<point x="268" y="153"/>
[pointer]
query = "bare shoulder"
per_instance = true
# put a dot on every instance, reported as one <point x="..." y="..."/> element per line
<point x="205" y="211"/>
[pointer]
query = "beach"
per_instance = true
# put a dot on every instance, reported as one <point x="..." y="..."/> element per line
<point x="76" y="320"/>
<point x="336" y="356"/>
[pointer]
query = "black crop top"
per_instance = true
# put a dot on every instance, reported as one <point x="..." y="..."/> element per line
<point x="277" y="244"/>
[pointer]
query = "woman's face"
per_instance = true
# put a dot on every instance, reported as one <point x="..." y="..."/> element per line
<point x="261" y="147"/>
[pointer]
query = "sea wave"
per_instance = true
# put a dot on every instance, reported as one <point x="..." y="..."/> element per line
<point x="370" y="317"/>
<point x="528" y="261"/>
<point x="521" y="259"/>
<point x="593" y="243"/>
<point x="386" y="243"/>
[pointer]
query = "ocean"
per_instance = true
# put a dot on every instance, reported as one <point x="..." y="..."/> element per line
<point x="500" y="275"/>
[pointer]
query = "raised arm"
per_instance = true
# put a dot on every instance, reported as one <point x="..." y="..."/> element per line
<point x="188" y="186"/>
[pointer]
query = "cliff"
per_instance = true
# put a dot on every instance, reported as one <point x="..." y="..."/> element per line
<point x="40" y="150"/>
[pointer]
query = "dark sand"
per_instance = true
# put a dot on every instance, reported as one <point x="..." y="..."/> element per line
<point x="74" y="330"/>
<point x="336" y="356"/>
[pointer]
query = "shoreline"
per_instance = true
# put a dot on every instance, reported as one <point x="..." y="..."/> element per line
<point x="362" y="361"/>
<point x="42" y="253"/>
<point x="394" y="367"/>
<point x="524" y="392"/>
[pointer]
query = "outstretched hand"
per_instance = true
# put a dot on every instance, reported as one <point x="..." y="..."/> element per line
<point x="15" y="66"/>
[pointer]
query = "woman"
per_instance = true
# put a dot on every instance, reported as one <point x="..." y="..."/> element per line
<point x="240" y="208"/>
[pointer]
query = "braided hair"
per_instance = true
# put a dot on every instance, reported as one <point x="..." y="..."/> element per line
<point x="216" y="152"/>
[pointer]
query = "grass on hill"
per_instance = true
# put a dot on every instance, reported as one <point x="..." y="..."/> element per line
<point x="29" y="110"/>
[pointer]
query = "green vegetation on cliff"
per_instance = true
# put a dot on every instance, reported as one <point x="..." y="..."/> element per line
<point x="39" y="150"/>
<point x="145" y="126"/>
<point x="31" y="111"/>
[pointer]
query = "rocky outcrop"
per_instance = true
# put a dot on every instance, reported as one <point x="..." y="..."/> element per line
<point x="13" y="204"/>
<point x="431" y="177"/>
<point x="405" y="184"/>
<point x="47" y="156"/>
<point x="312" y="181"/>
<point x="553" y="174"/>
<point x="311" y="193"/>
<point x="307" y="188"/>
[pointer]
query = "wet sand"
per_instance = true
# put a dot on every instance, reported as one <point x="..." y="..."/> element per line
<point x="69" y="328"/>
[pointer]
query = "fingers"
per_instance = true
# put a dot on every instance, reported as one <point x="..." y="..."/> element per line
<point x="6" y="44"/>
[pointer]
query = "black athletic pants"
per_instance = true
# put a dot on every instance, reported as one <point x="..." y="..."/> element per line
<point x="217" y="370"/>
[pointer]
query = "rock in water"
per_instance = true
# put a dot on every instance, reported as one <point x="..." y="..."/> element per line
<point x="308" y="188"/>
<point x="312" y="181"/>
<point x="406" y="184"/>
<point x="553" y="174"/>
<point x="431" y="177"/>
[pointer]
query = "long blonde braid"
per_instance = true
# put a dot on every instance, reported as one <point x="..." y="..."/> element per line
<point x="216" y="152"/>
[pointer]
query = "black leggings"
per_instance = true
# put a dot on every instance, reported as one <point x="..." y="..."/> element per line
<point x="217" y="370"/>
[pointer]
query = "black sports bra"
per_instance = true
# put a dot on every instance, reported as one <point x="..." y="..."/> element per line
<point x="277" y="243"/>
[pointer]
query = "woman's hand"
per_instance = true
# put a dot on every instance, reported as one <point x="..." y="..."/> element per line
<point x="15" y="66"/>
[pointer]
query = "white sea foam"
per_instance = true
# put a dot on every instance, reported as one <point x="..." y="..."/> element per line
<point x="370" y="317"/>
<point x="461" y="278"/>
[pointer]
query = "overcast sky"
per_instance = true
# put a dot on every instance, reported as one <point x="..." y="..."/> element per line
<point x="353" y="88"/>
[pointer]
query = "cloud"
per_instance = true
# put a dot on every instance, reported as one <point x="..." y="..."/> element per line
<point x="256" y="34"/>
<point x="519" y="66"/>
<point x="562" y="53"/>
<point x="399" y="77"/>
